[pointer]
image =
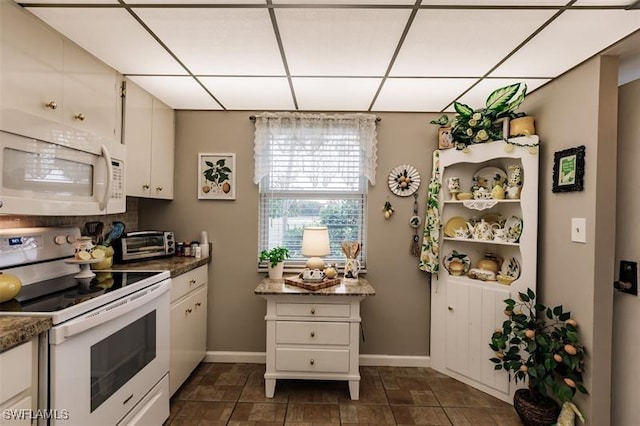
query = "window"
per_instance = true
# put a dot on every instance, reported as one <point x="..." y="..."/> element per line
<point x="313" y="170"/>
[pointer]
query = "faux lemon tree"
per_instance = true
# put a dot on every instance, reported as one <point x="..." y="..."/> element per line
<point x="541" y="345"/>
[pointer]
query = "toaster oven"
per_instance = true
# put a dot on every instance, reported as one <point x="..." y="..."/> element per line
<point x="144" y="245"/>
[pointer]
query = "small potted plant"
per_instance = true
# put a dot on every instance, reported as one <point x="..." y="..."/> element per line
<point x="276" y="257"/>
<point x="541" y="345"/>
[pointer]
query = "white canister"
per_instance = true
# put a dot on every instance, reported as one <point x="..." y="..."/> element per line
<point x="204" y="243"/>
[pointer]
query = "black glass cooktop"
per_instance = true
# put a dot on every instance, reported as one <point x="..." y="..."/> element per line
<point x="60" y="293"/>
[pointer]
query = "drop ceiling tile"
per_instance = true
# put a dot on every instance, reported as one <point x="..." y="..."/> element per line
<point x="497" y="2"/>
<point x="177" y="92"/>
<point x="420" y="94"/>
<point x="68" y="1"/>
<point x="218" y="41"/>
<point x="340" y="42"/>
<point x="573" y="37"/>
<point x="113" y="36"/>
<point x="202" y="2"/>
<point x="456" y="43"/>
<point x="340" y="2"/>
<point x="477" y="97"/>
<point x="242" y="93"/>
<point x="335" y="94"/>
<point x="603" y="2"/>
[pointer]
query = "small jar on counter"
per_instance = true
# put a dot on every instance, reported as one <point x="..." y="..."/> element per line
<point x="194" y="246"/>
<point x="180" y="249"/>
<point x="187" y="249"/>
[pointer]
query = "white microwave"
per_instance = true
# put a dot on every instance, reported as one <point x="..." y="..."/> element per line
<point x="50" y="169"/>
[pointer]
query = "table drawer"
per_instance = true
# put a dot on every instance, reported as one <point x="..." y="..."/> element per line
<point x="313" y="310"/>
<point x="312" y="360"/>
<point x="312" y="333"/>
<point x="183" y="284"/>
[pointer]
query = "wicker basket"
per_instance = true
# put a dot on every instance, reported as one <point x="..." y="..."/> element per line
<point x="540" y="412"/>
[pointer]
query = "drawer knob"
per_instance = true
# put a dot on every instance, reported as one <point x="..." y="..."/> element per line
<point x="158" y="188"/>
<point x="311" y="361"/>
<point x="313" y="334"/>
<point x="80" y="116"/>
<point x="450" y="308"/>
<point x="145" y="186"/>
<point x="313" y="311"/>
<point x="192" y="282"/>
<point x="51" y="105"/>
<point x="189" y="310"/>
<point x="198" y="304"/>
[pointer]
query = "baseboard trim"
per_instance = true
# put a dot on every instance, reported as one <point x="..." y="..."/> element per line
<point x="365" y="360"/>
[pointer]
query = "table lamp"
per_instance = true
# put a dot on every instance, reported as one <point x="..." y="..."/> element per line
<point x="315" y="243"/>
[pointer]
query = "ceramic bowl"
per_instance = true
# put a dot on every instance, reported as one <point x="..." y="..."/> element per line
<point x="505" y="279"/>
<point x="465" y="196"/>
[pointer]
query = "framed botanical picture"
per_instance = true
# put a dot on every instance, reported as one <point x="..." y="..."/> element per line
<point x="216" y="176"/>
<point x="568" y="170"/>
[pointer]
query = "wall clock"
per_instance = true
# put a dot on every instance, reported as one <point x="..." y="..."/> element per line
<point x="404" y="180"/>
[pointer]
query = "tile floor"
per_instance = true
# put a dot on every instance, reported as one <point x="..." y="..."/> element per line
<point x="233" y="394"/>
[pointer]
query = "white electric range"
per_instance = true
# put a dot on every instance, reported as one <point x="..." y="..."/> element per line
<point x="105" y="361"/>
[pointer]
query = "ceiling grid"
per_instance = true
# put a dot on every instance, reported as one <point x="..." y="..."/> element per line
<point x="339" y="55"/>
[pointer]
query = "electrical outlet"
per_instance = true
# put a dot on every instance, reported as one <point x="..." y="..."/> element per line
<point x="578" y="230"/>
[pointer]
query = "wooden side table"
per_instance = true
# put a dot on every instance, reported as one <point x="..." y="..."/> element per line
<point x="313" y="334"/>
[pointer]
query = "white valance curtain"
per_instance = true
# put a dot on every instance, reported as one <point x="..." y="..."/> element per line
<point x="311" y="144"/>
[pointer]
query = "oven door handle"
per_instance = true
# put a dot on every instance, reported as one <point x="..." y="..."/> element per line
<point x="108" y="312"/>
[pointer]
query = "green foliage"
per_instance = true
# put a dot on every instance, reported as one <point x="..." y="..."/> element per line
<point x="542" y="345"/>
<point x="477" y="126"/>
<point x="274" y="255"/>
<point x="218" y="172"/>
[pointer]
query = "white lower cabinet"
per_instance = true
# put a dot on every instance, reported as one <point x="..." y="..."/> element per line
<point x="18" y="383"/>
<point x="188" y="325"/>
<point x="311" y="337"/>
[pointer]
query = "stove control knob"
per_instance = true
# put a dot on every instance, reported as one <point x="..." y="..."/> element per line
<point x="60" y="239"/>
<point x="71" y="239"/>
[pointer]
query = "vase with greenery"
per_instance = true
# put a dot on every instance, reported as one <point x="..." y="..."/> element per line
<point x="276" y="257"/>
<point x="472" y="126"/>
<point x="541" y="345"/>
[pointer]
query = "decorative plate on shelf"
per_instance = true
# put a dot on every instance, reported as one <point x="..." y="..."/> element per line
<point x="510" y="268"/>
<point x="454" y="223"/>
<point x="489" y="177"/>
<point x="513" y="225"/>
<point x="404" y="180"/>
<point x="457" y="256"/>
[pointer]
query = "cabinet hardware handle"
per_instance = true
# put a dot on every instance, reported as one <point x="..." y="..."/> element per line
<point x="51" y="105"/>
<point x="189" y="310"/>
<point x="192" y="282"/>
<point x="313" y="311"/>
<point x="450" y="308"/>
<point x="313" y="334"/>
<point x="198" y="304"/>
<point x="145" y="186"/>
<point x="79" y="116"/>
<point x="311" y="361"/>
<point x="158" y="188"/>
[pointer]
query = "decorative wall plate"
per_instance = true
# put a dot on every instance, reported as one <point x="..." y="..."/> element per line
<point x="513" y="225"/>
<point x="404" y="180"/>
<point x="489" y="177"/>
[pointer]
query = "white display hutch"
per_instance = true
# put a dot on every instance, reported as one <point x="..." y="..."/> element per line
<point x="464" y="311"/>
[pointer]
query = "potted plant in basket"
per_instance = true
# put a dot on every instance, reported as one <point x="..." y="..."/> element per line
<point x="276" y="257"/>
<point x="485" y="124"/>
<point x="541" y="345"/>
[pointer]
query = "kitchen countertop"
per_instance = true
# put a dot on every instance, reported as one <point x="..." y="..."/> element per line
<point x="175" y="265"/>
<point x="269" y="287"/>
<point x="19" y="329"/>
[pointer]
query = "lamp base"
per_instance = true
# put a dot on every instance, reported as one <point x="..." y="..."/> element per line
<point x="315" y="263"/>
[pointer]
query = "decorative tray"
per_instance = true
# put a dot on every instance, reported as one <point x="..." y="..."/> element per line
<point x="299" y="282"/>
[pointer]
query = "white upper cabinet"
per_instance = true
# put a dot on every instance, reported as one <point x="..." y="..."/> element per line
<point x="149" y="138"/>
<point x="48" y="76"/>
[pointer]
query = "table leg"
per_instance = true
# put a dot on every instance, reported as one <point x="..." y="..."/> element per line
<point x="354" y="389"/>
<point x="269" y="387"/>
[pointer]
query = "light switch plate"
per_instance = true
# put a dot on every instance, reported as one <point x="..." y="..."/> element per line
<point x="578" y="229"/>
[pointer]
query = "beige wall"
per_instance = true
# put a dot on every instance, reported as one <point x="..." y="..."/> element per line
<point x="626" y="339"/>
<point x="580" y="108"/>
<point x="395" y="321"/>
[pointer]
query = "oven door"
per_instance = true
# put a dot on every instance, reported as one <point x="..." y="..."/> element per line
<point x="103" y="363"/>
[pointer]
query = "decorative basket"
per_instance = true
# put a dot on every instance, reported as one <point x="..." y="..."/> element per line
<point x="542" y="411"/>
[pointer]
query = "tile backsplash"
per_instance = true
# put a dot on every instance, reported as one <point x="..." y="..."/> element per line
<point x="129" y="218"/>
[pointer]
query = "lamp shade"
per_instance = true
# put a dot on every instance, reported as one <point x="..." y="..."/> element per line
<point x="315" y="241"/>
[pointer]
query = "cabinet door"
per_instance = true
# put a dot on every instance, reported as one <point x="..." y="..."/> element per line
<point x="90" y="93"/>
<point x="188" y="337"/>
<point x="137" y="139"/>
<point x="162" y="151"/>
<point x="30" y="65"/>
<point x="473" y="312"/>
